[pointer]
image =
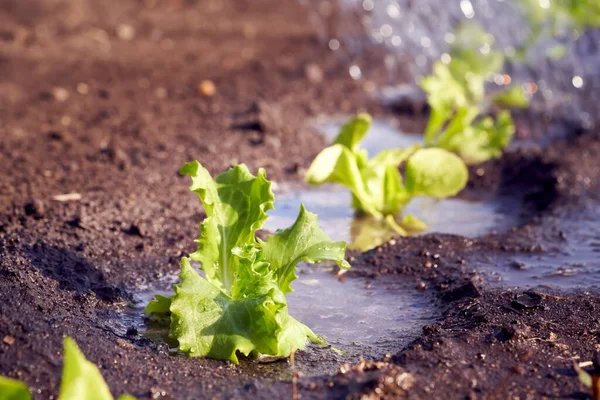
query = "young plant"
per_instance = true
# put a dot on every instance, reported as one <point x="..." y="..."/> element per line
<point x="456" y="96"/>
<point x="571" y="14"/>
<point x="239" y="305"/>
<point x="81" y="379"/>
<point x="377" y="186"/>
<point x="590" y="380"/>
<point x="570" y="17"/>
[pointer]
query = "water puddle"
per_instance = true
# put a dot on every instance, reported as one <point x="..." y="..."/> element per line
<point x="571" y="260"/>
<point x="382" y="135"/>
<point x="336" y="217"/>
<point x="359" y="318"/>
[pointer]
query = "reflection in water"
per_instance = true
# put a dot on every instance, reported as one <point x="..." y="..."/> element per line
<point x="358" y="316"/>
<point x="381" y="136"/>
<point x="336" y="217"/>
<point x="367" y="233"/>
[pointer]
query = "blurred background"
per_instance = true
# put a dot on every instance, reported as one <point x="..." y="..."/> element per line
<point x="550" y="47"/>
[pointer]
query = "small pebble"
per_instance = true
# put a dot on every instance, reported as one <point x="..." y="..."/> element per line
<point x="60" y="94"/>
<point x="369" y="86"/>
<point x="125" y="344"/>
<point x="125" y="32"/>
<point x="314" y="73"/>
<point x="207" y="88"/>
<point x="144" y="83"/>
<point x="8" y="340"/>
<point x="249" y="31"/>
<point x="65" y="120"/>
<point x="83" y="88"/>
<point x="160" y="92"/>
<point x="67" y="197"/>
<point x="156" y="392"/>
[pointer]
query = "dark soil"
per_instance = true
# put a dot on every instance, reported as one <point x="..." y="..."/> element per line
<point x="103" y="99"/>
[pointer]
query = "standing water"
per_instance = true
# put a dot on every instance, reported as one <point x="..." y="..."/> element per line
<point x="357" y="317"/>
<point x="573" y="264"/>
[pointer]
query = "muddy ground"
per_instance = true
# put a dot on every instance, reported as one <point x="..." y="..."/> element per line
<point x="104" y="99"/>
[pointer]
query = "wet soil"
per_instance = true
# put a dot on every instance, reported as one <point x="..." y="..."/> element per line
<point x="104" y="99"/>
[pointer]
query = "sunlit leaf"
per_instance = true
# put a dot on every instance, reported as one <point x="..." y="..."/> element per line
<point x="12" y="389"/>
<point x="435" y="173"/>
<point x="239" y="307"/>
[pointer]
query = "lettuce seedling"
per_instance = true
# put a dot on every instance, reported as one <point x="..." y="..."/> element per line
<point x="456" y="96"/>
<point x="81" y="379"/>
<point x="239" y="305"/>
<point x="570" y="17"/>
<point x="590" y="380"/>
<point x="572" y="14"/>
<point x="377" y="186"/>
<point x="475" y="139"/>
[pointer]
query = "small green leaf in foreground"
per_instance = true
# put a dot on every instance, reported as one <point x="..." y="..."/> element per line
<point x="12" y="389"/>
<point x="81" y="380"/>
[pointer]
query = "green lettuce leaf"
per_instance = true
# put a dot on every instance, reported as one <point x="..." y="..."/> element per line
<point x="476" y="140"/>
<point x="513" y="97"/>
<point x="412" y="223"/>
<point x="303" y="241"/>
<point x="456" y="95"/>
<point x="81" y="380"/>
<point x="368" y="233"/>
<point x="158" y="305"/>
<point x="473" y="56"/>
<point x="377" y="185"/>
<point x="502" y="132"/>
<point x="435" y="173"/>
<point x="337" y="164"/>
<point x="353" y="132"/>
<point x="12" y="389"/>
<point x="235" y="204"/>
<point x="484" y="139"/>
<point x="390" y="158"/>
<point x="453" y="137"/>
<point x="207" y="322"/>
<point x="384" y="181"/>
<point x="444" y="90"/>
<point x="240" y="306"/>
